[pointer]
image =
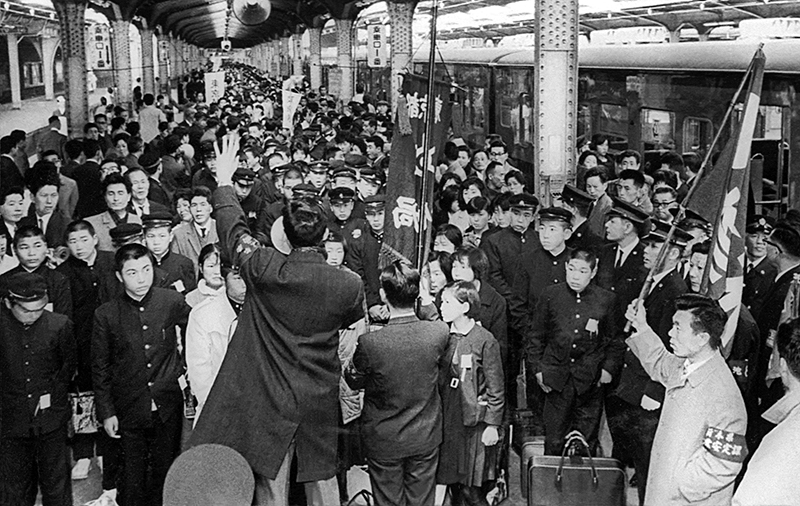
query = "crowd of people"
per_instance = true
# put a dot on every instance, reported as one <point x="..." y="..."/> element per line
<point x="168" y="284"/>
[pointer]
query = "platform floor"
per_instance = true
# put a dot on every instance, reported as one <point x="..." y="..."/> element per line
<point x="34" y="113"/>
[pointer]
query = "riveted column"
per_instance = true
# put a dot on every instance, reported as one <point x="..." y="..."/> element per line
<point x="121" y="45"/>
<point x="297" y="52"/>
<point x="555" y="95"/>
<point x="164" y="59"/>
<point x="344" y="57"/>
<point x="71" y="17"/>
<point x="148" y="73"/>
<point x="13" y="70"/>
<point x="402" y="17"/>
<point x="315" y="61"/>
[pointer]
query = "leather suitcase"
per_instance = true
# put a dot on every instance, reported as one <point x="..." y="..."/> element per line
<point x="574" y="480"/>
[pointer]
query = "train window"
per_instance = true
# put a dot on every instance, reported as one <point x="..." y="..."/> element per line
<point x="658" y="129"/>
<point x="769" y="123"/>
<point x="32" y="74"/>
<point x="697" y="135"/>
<point x="613" y="122"/>
<point x="515" y="109"/>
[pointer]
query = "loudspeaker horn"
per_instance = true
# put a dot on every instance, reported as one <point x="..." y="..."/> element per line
<point x="251" y="12"/>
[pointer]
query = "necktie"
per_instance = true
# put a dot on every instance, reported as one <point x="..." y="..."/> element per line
<point x="203" y="233"/>
<point x="618" y="263"/>
<point x="41" y="223"/>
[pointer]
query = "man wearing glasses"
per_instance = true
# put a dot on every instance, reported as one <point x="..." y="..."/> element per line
<point x="665" y="198"/>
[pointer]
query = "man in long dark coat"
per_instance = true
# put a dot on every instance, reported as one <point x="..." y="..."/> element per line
<point x="276" y="394"/>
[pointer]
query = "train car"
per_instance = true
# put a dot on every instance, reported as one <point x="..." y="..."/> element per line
<point x="650" y="98"/>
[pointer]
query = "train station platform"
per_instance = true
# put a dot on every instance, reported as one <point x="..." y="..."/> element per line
<point x="34" y="113"/>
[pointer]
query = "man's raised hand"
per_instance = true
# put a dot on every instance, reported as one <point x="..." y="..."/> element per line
<point x="227" y="158"/>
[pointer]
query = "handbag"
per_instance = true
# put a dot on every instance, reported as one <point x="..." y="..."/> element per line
<point x="575" y="480"/>
<point x="84" y="415"/>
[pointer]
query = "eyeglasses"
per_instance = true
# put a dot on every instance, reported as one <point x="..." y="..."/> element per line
<point x="664" y="204"/>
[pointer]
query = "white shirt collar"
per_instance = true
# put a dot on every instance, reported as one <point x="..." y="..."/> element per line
<point x="660" y="276"/>
<point x="690" y="367"/>
<point x="626" y="250"/>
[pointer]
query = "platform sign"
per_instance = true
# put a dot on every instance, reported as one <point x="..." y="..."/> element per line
<point x="215" y="86"/>
<point x="376" y="46"/>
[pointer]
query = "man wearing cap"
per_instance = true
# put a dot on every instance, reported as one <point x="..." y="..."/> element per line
<point x="158" y="237"/>
<point x="318" y="176"/>
<point x="504" y="247"/>
<point x="135" y="371"/>
<point x="254" y="207"/>
<point x="369" y="183"/>
<point x="281" y="370"/>
<point x="579" y="202"/>
<point x="634" y="407"/>
<point x="573" y="346"/>
<point x="117" y="195"/>
<point x="151" y="163"/>
<point x="37" y="361"/>
<point x="342" y="201"/>
<point x="363" y="256"/>
<point x="759" y="270"/>
<point x="207" y="175"/>
<point x="343" y="177"/>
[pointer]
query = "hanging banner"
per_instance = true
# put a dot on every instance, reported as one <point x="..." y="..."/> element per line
<point x="290" y="102"/>
<point x="405" y="197"/>
<point x="376" y="46"/>
<point x="215" y="86"/>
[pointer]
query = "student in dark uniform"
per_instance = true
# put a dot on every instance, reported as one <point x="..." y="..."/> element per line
<point x="505" y="247"/>
<point x="37" y="360"/>
<point x="158" y="237"/>
<point x="135" y="370"/>
<point x="402" y="417"/>
<point x="578" y="202"/>
<point x="759" y="270"/>
<point x="363" y="256"/>
<point x="369" y="184"/>
<point x="31" y="250"/>
<point x="252" y="204"/>
<point x="573" y="347"/>
<point x="635" y="405"/>
<point x="342" y="202"/>
<point x="92" y="281"/>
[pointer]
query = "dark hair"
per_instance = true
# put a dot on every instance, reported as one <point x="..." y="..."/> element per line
<point x="516" y="174"/>
<point x="73" y="148"/>
<point x="78" y="225"/>
<point x="447" y="176"/>
<point x="630" y="153"/>
<point x="588" y="255"/>
<point x="304" y="222"/>
<point x="702" y="248"/>
<point x="465" y="291"/>
<point x="692" y="161"/>
<point x="666" y="189"/>
<point x="597" y="172"/>
<point x="451" y="232"/>
<point x="666" y="176"/>
<point x="171" y="144"/>
<point x="132" y="251"/>
<point x="207" y="251"/>
<point x="88" y="126"/>
<point x="91" y="147"/>
<point x="445" y="260"/>
<point x="598" y="139"/>
<point x="400" y="283"/>
<point x="672" y="160"/>
<point x="377" y="141"/>
<point x="200" y="191"/>
<point x="148" y="99"/>
<point x="28" y="231"/>
<point x="492" y="166"/>
<point x="135" y="144"/>
<point x="502" y="201"/>
<point x="13" y="190"/>
<point x="470" y="181"/>
<point x="133" y="169"/>
<point x="116" y="178"/>
<point x="42" y="174"/>
<point x="586" y="154"/>
<point x="476" y="258"/>
<point x="707" y="316"/>
<point x="477" y="205"/>
<point x="449" y="195"/>
<point x="450" y="150"/>
<point x="788" y="342"/>
<point x="633" y="175"/>
<point x="498" y="144"/>
<point x="787" y="238"/>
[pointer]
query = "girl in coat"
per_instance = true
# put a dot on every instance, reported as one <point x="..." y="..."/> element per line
<point x="473" y="398"/>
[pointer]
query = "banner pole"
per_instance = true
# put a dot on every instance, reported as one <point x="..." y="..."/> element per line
<point x="424" y="235"/>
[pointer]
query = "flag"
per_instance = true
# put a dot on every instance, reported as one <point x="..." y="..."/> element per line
<point x="215" y="86"/>
<point x="290" y="102"/>
<point x="726" y="188"/>
<point x="406" y="200"/>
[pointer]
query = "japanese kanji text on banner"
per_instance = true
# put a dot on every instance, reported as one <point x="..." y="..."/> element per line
<point x="215" y="86"/>
<point x="405" y="198"/>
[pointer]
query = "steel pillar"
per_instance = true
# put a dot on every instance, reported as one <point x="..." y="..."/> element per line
<point x="164" y="59"/>
<point x="121" y="46"/>
<point x="315" y="63"/>
<point x="555" y="95"/>
<point x="148" y="72"/>
<point x="297" y="52"/>
<point x="71" y="17"/>
<point x="13" y="70"/>
<point x="344" y="53"/>
<point x="402" y="17"/>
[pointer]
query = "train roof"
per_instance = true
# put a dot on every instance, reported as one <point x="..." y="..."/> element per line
<point x="721" y="56"/>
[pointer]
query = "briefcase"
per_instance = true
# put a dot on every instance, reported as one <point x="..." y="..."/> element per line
<point x="574" y="480"/>
<point x="84" y="417"/>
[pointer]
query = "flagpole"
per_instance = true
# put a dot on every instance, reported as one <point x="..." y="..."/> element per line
<point x="662" y="253"/>
<point x="424" y="237"/>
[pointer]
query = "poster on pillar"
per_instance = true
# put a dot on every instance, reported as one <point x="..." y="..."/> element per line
<point x="215" y="86"/>
<point x="406" y="199"/>
<point x="376" y="46"/>
<point x="290" y="102"/>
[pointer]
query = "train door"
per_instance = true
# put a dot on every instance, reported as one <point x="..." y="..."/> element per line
<point x="657" y="136"/>
<point x="514" y="112"/>
<point x="769" y="154"/>
<point x="473" y="99"/>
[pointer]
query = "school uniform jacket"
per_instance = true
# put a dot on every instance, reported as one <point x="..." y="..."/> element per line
<point x="280" y="377"/>
<point x="757" y="282"/>
<point x="503" y="250"/>
<point x="58" y="287"/>
<point x="535" y="272"/>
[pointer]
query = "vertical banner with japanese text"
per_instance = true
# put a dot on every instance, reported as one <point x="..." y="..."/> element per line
<point x="376" y="46"/>
<point x="290" y="102"/>
<point x="405" y="198"/>
<point x="215" y="86"/>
